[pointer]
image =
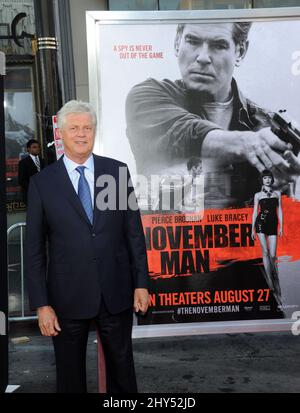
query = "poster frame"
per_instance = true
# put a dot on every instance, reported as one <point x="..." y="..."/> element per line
<point x="3" y="243"/>
<point x="93" y="18"/>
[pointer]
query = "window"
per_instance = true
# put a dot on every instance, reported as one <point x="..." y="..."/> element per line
<point x="203" y="4"/>
<point x="197" y="4"/>
<point x="275" y="3"/>
<point x="133" y="5"/>
<point x="19" y="127"/>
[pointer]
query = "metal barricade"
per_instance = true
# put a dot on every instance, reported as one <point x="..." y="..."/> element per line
<point x="19" y="226"/>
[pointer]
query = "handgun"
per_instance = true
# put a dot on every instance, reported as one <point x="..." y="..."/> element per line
<point x="286" y="131"/>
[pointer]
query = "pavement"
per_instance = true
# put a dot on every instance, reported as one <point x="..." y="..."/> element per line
<point x="267" y="362"/>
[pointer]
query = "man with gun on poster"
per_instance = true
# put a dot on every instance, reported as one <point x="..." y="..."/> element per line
<point x="289" y="133"/>
<point x="205" y="114"/>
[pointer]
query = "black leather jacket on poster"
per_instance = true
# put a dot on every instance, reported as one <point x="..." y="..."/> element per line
<point x="166" y="125"/>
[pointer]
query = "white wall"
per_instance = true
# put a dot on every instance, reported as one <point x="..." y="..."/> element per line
<point x="78" y="9"/>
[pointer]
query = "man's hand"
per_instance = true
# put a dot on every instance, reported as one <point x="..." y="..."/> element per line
<point x="48" y="322"/>
<point x="141" y="300"/>
<point x="293" y="161"/>
<point x="264" y="150"/>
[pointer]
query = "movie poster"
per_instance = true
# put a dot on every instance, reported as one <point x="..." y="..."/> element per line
<point x="206" y="116"/>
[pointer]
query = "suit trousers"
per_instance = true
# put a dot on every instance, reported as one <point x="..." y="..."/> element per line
<point x="70" y="352"/>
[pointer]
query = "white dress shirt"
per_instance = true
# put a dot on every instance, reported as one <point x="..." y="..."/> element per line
<point x="34" y="160"/>
<point x="88" y="173"/>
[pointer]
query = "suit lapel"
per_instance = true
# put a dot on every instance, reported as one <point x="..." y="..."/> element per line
<point x="68" y="190"/>
<point x="32" y="164"/>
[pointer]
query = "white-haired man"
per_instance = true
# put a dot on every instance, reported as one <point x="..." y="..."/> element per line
<point x="97" y="263"/>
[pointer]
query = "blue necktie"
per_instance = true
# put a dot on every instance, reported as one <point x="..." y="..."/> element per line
<point x="84" y="193"/>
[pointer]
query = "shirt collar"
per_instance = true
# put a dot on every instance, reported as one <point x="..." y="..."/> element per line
<point x="71" y="165"/>
<point x="241" y="104"/>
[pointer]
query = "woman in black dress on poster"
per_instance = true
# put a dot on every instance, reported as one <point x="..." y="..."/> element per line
<point x="267" y="212"/>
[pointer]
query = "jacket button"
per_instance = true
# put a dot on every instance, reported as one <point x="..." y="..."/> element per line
<point x="93" y="235"/>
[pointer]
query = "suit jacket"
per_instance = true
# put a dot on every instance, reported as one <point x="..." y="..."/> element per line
<point x="26" y="169"/>
<point x="84" y="262"/>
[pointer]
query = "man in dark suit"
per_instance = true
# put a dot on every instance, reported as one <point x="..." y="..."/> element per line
<point x="97" y="263"/>
<point x="29" y="166"/>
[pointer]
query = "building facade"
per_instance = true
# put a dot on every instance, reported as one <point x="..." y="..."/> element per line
<point x="46" y="52"/>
